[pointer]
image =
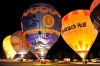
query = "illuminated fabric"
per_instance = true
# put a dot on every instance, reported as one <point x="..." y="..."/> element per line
<point x="78" y="31"/>
<point x="41" y="26"/>
<point x="7" y="47"/>
<point x="19" y="43"/>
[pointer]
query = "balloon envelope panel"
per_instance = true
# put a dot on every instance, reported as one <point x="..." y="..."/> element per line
<point x="42" y="41"/>
<point x="95" y="14"/>
<point x="78" y="31"/>
<point x="41" y="24"/>
<point x="41" y="17"/>
<point x="18" y="43"/>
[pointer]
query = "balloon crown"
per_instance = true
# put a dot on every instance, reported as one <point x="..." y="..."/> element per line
<point x="41" y="5"/>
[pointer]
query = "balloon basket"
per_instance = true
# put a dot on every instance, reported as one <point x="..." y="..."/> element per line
<point x="43" y="61"/>
<point x="84" y="61"/>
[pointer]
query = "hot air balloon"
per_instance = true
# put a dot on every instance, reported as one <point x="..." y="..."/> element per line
<point x="41" y="26"/>
<point x="78" y="31"/>
<point x="7" y="47"/>
<point x="19" y="43"/>
<point x="95" y="14"/>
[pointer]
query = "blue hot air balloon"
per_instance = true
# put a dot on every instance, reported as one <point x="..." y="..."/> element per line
<point x="41" y="26"/>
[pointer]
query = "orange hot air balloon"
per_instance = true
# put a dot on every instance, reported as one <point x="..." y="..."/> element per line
<point x="95" y="14"/>
<point x="7" y="47"/>
<point x="78" y="31"/>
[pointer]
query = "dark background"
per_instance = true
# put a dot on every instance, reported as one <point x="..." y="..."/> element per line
<point x="11" y="12"/>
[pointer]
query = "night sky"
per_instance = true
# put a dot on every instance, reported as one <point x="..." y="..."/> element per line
<point x="12" y="12"/>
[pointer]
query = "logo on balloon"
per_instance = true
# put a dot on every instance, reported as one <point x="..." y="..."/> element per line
<point x="78" y="25"/>
<point x="48" y="21"/>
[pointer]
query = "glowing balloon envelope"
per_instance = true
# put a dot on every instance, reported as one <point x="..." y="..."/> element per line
<point x="7" y="47"/>
<point x="78" y="31"/>
<point x="95" y="14"/>
<point x="41" y="24"/>
<point x="19" y="43"/>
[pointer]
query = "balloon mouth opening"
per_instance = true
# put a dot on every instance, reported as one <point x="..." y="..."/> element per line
<point x="82" y="54"/>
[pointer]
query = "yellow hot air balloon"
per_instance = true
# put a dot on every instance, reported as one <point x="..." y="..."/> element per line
<point x="7" y="47"/>
<point x="78" y="31"/>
